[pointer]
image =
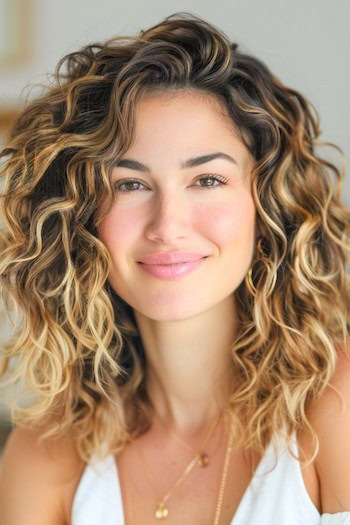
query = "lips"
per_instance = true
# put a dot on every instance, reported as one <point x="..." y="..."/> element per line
<point x="174" y="271"/>
<point x="168" y="258"/>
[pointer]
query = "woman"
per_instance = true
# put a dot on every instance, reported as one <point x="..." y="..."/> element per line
<point x="178" y="251"/>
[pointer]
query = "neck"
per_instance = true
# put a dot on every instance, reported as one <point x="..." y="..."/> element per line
<point x="189" y="366"/>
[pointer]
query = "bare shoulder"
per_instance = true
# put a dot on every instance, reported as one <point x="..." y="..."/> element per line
<point x="330" y="417"/>
<point x="32" y="473"/>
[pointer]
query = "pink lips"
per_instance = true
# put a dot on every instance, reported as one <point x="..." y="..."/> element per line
<point x="170" y="257"/>
<point x="170" y="265"/>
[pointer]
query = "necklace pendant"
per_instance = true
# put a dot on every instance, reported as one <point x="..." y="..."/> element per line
<point x="203" y="460"/>
<point x="162" y="511"/>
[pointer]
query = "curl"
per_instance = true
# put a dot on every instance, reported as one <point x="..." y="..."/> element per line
<point x="76" y="343"/>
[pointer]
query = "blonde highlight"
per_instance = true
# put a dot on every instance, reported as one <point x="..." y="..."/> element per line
<point x="77" y="344"/>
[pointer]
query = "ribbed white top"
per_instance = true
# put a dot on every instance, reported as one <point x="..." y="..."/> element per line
<point x="276" y="495"/>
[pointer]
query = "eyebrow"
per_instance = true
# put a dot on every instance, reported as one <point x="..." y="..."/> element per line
<point x="185" y="164"/>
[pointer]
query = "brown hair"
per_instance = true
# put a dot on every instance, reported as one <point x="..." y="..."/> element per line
<point x="77" y="344"/>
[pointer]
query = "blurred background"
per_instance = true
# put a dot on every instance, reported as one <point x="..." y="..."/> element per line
<point x="305" y="42"/>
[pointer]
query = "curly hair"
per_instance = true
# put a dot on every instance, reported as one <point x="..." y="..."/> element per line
<point x="76" y="344"/>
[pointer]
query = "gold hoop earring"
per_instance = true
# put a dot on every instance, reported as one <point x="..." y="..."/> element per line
<point x="249" y="277"/>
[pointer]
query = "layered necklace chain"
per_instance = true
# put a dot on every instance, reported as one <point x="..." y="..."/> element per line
<point x="201" y="460"/>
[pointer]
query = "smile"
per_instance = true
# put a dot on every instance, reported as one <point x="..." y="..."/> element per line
<point x="171" y="271"/>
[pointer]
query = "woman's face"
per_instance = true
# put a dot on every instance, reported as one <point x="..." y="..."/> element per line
<point x="164" y="203"/>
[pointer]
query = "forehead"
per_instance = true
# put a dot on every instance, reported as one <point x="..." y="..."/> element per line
<point x="183" y="95"/>
<point x="186" y="98"/>
<point x="188" y="114"/>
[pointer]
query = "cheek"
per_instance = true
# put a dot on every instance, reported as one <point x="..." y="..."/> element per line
<point x="117" y="227"/>
<point x="228" y="220"/>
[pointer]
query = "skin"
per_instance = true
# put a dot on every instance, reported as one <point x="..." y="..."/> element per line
<point x="186" y="325"/>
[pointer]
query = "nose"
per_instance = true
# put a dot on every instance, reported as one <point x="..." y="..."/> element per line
<point x="169" y="219"/>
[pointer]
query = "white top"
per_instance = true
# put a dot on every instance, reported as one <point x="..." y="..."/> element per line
<point x="276" y="495"/>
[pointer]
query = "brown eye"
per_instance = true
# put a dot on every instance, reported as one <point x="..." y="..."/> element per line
<point x="127" y="185"/>
<point x="131" y="185"/>
<point x="213" y="178"/>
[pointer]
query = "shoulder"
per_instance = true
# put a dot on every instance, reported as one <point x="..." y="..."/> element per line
<point x="32" y="473"/>
<point x="330" y="417"/>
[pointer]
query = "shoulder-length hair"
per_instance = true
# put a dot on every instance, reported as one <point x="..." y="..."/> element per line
<point x="76" y="344"/>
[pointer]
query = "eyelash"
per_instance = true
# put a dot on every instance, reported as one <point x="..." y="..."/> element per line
<point x="217" y="178"/>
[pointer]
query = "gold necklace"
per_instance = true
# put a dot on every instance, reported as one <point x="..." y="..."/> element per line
<point x="200" y="459"/>
<point x="204" y="458"/>
<point x="221" y="492"/>
<point x="223" y="479"/>
<point x="220" y="499"/>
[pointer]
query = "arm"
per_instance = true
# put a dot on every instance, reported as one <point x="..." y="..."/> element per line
<point x="331" y="420"/>
<point x="33" y="481"/>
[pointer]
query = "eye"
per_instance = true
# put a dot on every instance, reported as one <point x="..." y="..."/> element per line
<point x="131" y="185"/>
<point x="214" y="178"/>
